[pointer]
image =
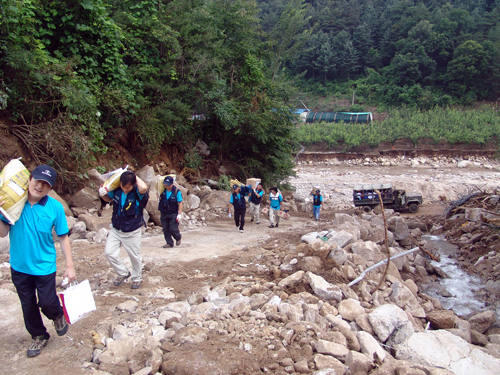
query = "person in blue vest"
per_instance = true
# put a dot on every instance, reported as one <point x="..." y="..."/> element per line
<point x="275" y="199"/>
<point x="238" y="203"/>
<point x="170" y="206"/>
<point x="317" y="202"/>
<point x="33" y="257"/>
<point x="128" y="202"/>
<point x="254" y="203"/>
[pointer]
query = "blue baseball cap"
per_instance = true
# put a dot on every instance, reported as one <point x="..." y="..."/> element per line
<point x="169" y="180"/>
<point x="45" y="173"/>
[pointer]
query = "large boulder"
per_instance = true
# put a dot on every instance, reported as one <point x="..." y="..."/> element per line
<point x="340" y="238"/>
<point x="85" y="198"/>
<point x="147" y="174"/>
<point x="323" y="288"/>
<point x="403" y="297"/>
<point x="389" y="319"/>
<point x="442" y="349"/>
<point x="398" y="227"/>
<point x="482" y="321"/>
<point x="56" y="196"/>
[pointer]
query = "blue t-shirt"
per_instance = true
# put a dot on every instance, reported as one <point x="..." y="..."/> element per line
<point x="275" y="201"/>
<point x="32" y="248"/>
<point x="320" y="200"/>
<point x="178" y="195"/>
<point x="123" y="197"/>
<point x="231" y="199"/>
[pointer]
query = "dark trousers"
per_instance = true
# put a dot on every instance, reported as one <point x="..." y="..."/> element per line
<point x="170" y="228"/>
<point x="28" y="287"/>
<point x="239" y="217"/>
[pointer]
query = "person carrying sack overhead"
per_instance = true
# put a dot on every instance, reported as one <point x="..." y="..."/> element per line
<point x="255" y="199"/>
<point x="275" y="199"/>
<point x="33" y="257"/>
<point x="237" y="201"/>
<point x="128" y="202"/>
<point x="170" y="206"/>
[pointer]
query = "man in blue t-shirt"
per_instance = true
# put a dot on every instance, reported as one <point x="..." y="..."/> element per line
<point x="33" y="257"/>
<point x="128" y="203"/>
<point x="170" y="206"/>
<point x="275" y="199"/>
<point x="317" y="202"/>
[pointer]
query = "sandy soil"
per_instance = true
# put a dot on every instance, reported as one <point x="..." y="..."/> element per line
<point x="208" y="254"/>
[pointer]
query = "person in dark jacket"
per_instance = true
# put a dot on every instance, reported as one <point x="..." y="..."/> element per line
<point x="317" y="202"/>
<point x="128" y="202"/>
<point x="254" y="202"/>
<point x="237" y="201"/>
<point x="170" y="206"/>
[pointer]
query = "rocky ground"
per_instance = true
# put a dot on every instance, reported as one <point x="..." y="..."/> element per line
<point x="278" y="300"/>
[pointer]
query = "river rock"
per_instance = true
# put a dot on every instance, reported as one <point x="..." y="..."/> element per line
<point x="85" y="198"/>
<point x="326" y="362"/>
<point x="291" y="280"/>
<point x="194" y="201"/>
<point x="350" y="308"/>
<point x="322" y="288"/>
<point x="386" y="319"/>
<point x="358" y="363"/>
<point x="442" y="319"/>
<point x="404" y="298"/>
<point x="445" y="350"/>
<point x="482" y="321"/>
<point x="127" y="306"/>
<point x="398" y="227"/>
<point x="339" y="238"/>
<point x="331" y="348"/>
<point x="338" y="255"/>
<point x="369" y="346"/>
<point x="191" y="335"/>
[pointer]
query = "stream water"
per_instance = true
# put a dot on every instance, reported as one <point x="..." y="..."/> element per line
<point x="459" y="292"/>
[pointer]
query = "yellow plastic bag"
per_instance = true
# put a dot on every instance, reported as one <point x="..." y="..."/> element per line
<point x="113" y="182"/>
<point x="14" y="181"/>
<point x="159" y="183"/>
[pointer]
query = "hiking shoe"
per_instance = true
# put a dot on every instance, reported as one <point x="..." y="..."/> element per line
<point x="258" y="222"/>
<point x="271" y="226"/>
<point x="136" y="285"/>
<point x="251" y="221"/>
<point x="36" y="346"/>
<point x="276" y="226"/>
<point x="120" y="279"/>
<point x="241" y="230"/>
<point x="178" y="242"/>
<point x="167" y="245"/>
<point x="61" y="325"/>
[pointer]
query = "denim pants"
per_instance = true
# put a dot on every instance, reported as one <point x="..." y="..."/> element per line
<point x="316" y="212"/>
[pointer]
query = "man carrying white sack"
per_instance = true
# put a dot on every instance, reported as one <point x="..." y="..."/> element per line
<point x="33" y="257"/>
<point x="128" y="203"/>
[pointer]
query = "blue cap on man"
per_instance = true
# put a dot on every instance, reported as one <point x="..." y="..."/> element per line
<point x="169" y="180"/>
<point x="45" y="173"/>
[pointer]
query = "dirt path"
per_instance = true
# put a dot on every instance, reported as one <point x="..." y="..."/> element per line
<point x="204" y="254"/>
<point x="208" y="249"/>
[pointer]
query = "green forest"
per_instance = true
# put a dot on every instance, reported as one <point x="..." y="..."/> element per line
<point x="82" y="78"/>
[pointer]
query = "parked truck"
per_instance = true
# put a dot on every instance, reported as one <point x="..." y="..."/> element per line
<point x="366" y="197"/>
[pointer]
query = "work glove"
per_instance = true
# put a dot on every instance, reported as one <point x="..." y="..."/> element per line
<point x="179" y="216"/>
<point x="103" y="191"/>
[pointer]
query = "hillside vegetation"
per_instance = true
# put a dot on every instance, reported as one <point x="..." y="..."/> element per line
<point x="80" y="79"/>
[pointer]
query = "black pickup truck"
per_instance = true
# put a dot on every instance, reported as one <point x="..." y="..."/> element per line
<point x="397" y="199"/>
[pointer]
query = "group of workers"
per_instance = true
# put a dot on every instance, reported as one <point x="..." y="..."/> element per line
<point x="33" y="254"/>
